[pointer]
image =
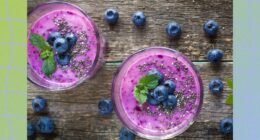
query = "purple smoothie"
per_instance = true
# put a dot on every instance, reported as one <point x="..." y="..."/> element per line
<point x="86" y="54"/>
<point x="154" y="122"/>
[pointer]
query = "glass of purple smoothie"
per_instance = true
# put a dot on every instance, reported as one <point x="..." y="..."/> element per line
<point x="86" y="56"/>
<point x="153" y="121"/>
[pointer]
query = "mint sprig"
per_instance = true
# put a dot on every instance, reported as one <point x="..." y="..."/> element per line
<point x="144" y="84"/>
<point x="47" y="55"/>
<point x="229" y="100"/>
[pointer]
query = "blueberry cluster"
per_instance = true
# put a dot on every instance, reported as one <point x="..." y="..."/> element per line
<point x="43" y="124"/>
<point x="164" y="93"/>
<point x="62" y="46"/>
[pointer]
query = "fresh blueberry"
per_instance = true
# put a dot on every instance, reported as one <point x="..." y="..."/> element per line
<point x="105" y="106"/>
<point x="170" y="86"/>
<point x="111" y="16"/>
<point x="139" y="18"/>
<point x="215" y="55"/>
<point x="71" y="39"/>
<point x="53" y="36"/>
<point x="151" y="99"/>
<point x="125" y="134"/>
<point x="156" y="72"/>
<point x="30" y="129"/>
<point x="171" y="102"/>
<point x="60" y="45"/>
<point x="38" y="104"/>
<point x="226" y="125"/>
<point x="63" y="59"/>
<point x="160" y="93"/>
<point x="216" y="86"/>
<point x="173" y="29"/>
<point x="45" y="125"/>
<point x="211" y="28"/>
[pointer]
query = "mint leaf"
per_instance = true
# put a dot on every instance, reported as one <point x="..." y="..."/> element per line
<point x="38" y="41"/>
<point x="45" y="54"/>
<point x="229" y="100"/>
<point x="144" y="84"/>
<point x="230" y="83"/>
<point x="49" y="65"/>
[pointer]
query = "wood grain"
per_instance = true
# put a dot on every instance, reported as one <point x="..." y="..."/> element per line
<point x="76" y="116"/>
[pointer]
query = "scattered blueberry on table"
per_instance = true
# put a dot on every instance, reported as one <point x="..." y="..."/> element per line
<point x="38" y="104"/>
<point x="226" y="125"/>
<point x="211" y="27"/>
<point x="111" y="16"/>
<point x="125" y="134"/>
<point x="216" y="86"/>
<point x="45" y="125"/>
<point x="139" y="18"/>
<point x="105" y="106"/>
<point x="173" y="29"/>
<point x="30" y="129"/>
<point x="215" y="55"/>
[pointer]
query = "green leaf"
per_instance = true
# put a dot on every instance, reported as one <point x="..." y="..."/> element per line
<point x="229" y="100"/>
<point x="140" y="94"/>
<point x="45" y="54"/>
<point x="150" y="81"/>
<point x="38" y="41"/>
<point x="49" y="65"/>
<point x="230" y="83"/>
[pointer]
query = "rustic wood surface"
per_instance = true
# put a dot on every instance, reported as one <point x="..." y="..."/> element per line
<point x="75" y="111"/>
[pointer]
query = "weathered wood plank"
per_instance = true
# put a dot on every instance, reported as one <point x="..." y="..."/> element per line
<point x="76" y="117"/>
<point x="125" y="39"/>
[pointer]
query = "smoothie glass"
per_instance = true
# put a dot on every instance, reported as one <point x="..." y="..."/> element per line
<point x="88" y="52"/>
<point x="149" y="121"/>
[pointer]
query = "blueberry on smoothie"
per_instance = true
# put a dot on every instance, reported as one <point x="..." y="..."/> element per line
<point x="63" y="59"/>
<point x="38" y="104"/>
<point x="126" y="134"/>
<point x="71" y="39"/>
<point x="160" y="93"/>
<point x="30" y="129"/>
<point x="216" y="86"/>
<point x="173" y="29"/>
<point x="105" y="106"/>
<point x="111" y="16"/>
<point x="139" y="18"/>
<point x="157" y="73"/>
<point x="45" y="125"/>
<point x="60" y="45"/>
<point x="211" y="28"/>
<point x="170" y="102"/>
<point x="226" y="125"/>
<point x="214" y="55"/>
<point x="52" y="37"/>
<point x="170" y="86"/>
<point x="151" y="98"/>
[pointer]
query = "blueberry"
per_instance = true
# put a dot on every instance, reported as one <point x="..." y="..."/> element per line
<point x="216" y="86"/>
<point x="111" y="16"/>
<point x="60" y="45"/>
<point x="38" y="104"/>
<point x="52" y="37"/>
<point x="30" y="129"/>
<point x="160" y="93"/>
<point x="226" y="125"/>
<point x="215" y="55"/>
<point x="171" y="102"/>
<point x="63" y="59"/>
<point x="170" y="86"/>
<point x="45" y="125"/>
<point x="173" y="29"/>
<point x="71" y="39"/>
<point x="151" y="99"/>
<point x="139" y="18"/>
<point x="156" y="72"/>
<point x="211" y="28"/>
<point x="105" y="106"/>
<point x="125" y="134"/>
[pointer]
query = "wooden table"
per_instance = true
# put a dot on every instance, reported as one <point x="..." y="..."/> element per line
<point x="75" y="111"/>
